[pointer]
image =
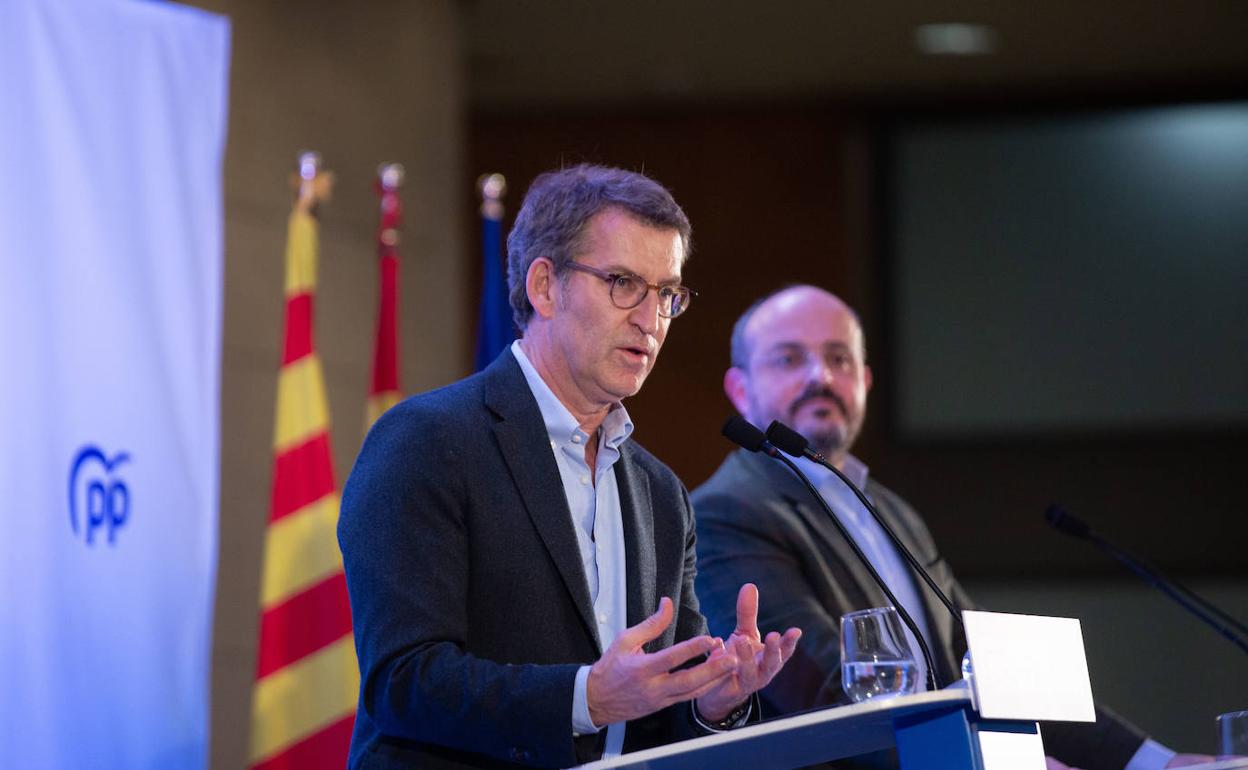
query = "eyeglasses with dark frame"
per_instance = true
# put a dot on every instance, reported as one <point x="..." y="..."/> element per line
<point x="629" y="290"/>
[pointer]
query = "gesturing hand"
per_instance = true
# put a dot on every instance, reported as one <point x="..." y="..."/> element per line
<point x="627" y="683"/>
<point x="757" y="660"/>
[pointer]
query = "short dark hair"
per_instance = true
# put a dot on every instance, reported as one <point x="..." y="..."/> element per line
<point x="559" y="204"/>
<point x="739" y="346"/>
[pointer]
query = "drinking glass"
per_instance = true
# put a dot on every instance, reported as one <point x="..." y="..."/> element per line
<point x="876" y="660"/>
<point x="1233" y="734"/>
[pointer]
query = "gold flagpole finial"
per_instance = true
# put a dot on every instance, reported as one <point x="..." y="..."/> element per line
<point x="312" y="184"/>
<point x="492" y="188"/>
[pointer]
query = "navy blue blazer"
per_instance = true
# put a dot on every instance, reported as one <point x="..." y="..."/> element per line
<point x="470" y="606"/>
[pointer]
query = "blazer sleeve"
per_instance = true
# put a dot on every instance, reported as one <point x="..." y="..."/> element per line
<point x="1109" y="744"/>
<point x="405" y="545"/>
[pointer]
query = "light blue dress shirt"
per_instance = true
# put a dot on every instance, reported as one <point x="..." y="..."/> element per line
<point x="892" y="567"/>
<point x="594" y="501"/>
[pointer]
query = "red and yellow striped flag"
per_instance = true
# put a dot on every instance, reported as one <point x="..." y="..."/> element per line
<point x="383" y="390"/>
<point x="307" y="680"/>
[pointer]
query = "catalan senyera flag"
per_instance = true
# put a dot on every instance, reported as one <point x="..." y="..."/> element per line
<point x="383" y="390"/>
<point x="307" y="680"/>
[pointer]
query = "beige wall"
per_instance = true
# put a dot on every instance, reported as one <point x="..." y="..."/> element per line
<point x="360" y="83"/>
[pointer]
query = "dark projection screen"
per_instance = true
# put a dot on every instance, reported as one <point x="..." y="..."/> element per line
<point x="1073" y="273"/>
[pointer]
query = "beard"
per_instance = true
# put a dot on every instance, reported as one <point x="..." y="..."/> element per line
<point x="831" y="441"/>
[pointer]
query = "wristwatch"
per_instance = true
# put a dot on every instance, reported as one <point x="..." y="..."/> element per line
<point x="735" y="718"/>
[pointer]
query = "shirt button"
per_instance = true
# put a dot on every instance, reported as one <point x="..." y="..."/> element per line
<point x="552" y="444"/>
<point x="576" y="438"/>
<point x="584" y="479"/>
<point x="602" y="617"/>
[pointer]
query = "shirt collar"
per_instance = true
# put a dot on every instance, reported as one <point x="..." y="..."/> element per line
<point x="561" y="425"/>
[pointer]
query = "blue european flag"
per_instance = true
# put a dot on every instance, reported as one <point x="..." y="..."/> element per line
<point x="494" y="327"/>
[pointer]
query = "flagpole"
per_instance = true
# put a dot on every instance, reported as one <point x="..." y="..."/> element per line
<point x="494" y="325"/>
<point x="384" y="391"/>
<point x="307" y="679"/>
<point x="492" y="188"/>
<point x="312" y="184"/>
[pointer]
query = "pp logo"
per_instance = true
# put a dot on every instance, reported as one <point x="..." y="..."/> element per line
<point x="99" y="501"/>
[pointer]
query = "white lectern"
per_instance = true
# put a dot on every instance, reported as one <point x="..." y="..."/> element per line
<point x="932" y="731"/>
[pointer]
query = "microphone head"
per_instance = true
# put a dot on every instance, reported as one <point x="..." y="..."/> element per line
<point x="786" y="439"/>
<point x="1064" y="521"/>
<point x="739" y="431"/>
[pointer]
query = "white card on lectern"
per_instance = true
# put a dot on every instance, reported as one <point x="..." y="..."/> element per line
<point x="1011" y="751"/>
<point x="1028" y="667"/>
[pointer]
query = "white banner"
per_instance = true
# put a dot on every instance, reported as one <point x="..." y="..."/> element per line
<point x="112" y="131"/>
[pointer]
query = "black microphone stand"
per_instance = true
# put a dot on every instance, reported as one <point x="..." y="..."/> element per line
<point x="794" y="443"/>
<point x="742" y="433"/>
<point x="1063" y="521"/>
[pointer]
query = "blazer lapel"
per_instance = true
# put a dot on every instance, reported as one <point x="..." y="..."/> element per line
<point x="939" y="624"/>
<point x="639" y="543"/>
<point x="521" y="435"/>
<point x="806" y="507"/>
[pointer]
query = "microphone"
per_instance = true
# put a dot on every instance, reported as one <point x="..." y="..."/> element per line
<point x="1064" y="521"/>
<point x="742" y="432"/>
<point x="793" y="443"/>
<point x="739" y="431"/>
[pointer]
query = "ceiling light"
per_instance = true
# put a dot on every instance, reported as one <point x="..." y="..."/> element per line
<point x="955" y="39"/>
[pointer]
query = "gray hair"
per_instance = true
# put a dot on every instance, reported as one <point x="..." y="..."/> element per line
<point x="740" y="345"/>
<point x="559" y="204"/>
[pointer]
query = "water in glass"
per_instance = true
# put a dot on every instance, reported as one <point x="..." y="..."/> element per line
<point x="876" y="660"/>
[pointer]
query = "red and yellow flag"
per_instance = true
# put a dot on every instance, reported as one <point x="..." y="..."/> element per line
<point x="307" y="680"/>
<point x="383" y="390"/>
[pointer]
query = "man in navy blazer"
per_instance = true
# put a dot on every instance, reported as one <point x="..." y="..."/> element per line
<point x="799" y="356"/>
<point x="521" y="574"/>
